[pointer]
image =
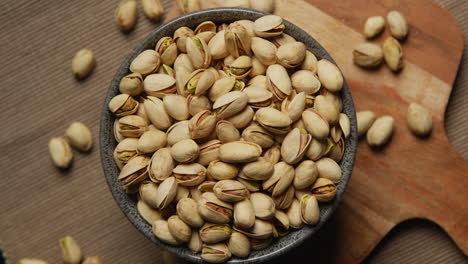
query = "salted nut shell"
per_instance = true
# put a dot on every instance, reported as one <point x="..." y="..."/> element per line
<point x="227" y="132"/>
<point x="209" y="152"/>
<point x="176" y="107"/>
<point x="365" y="119"/>
<point x="261" y="169"/>
<point x="146" y="62"/>
<point x="367" y="55"/>
<point x="261" y="230"/>
<point x="206" y="186"/>
<point x="381" y="131"/>
<point x="295" y="106"/>
<point x="292" y="54"/>
<point x="259" y="82"/>
<point x="151" y="141"/>
<point x="282" y="39"/>
<point x="179" y="229"/>
<point x="281" y="223"/>
<point x="200" y="81"/>
<point x="214" y="233"/>
<point x="264" y="51"/>
<point x="180" y="37"/>
<point x="326" y="109"/>
<point x="393" y="54"/>
<point x="217" y="46"/>
<point x="419" y="120"/>
<point x="125" y="150"/>
<point x="177" y="132"/>
<point x="329" y="75"/>
<point x="244" y="214"/>
<point x="273" y="120"/>
<point x="230" y="191"/>
<point x="197" y="104"/>
<point x="294" y="215"/>
<point x="273" y="154"/>
<point x="131" y="84"/>
<point x="257" y="134"/>
<point x="243" y="118"/>
<point x="305" y="81"/>
<point x="60" y="152"/>
<point x="278" y="82"/>
<point x="223" y="86"/>
<point x="161" y="165"/>
<point x="187" y="210"/>
<point x="189" y="174"/>
<point x="239" y="245"/>
<point x="219" y="170"/>
<point x="215" y="253"/>
<point x="167" y="191"/>
<point x="282" y="178"/>
<point x="197" y="51"/>
<point x="134" y="172"/>
<point x="148" y="213"/>
<point x="230" y="104"/>
<point x="294" y="146"/>
<point x="214" y="210"/>
<point x="161" y="231"/>
<point x="239" y="152"/>
<point x="195" y="244"/>
<point x="269" y="26"/>
<point x="397" y="24"/>
<point x="310" y="211"/>
<point x="373" y="26"/>
<point x="315" y="124"/>
<point x="185" y="151"/>
<point x="183" y="62"/>
<point x="167" y="49"/>
<point x="258" y="97"/>
<point x="202" y="124"/>
<point x="329" y="169"/>
<point x="310" y="62"/>
<point x="156" y="113"/>
<point x="237" y="40"/>
<point x="306" y="174"/>
<point x="345" y="124"/>
<point x="323" y="190"/>
<point x="132" y="126"/>
<point x="284" y="200"/>
<point x="263" y="206"/>
<point x="249" y="26"/>
<point x="122" y="105"/>
<point x="240" y="67"/>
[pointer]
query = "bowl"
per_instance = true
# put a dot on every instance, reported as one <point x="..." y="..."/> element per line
<point x="127" y="203"/>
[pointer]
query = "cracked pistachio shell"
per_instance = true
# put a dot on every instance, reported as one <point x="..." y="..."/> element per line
<point x="230" y="191"/>
<point x="419" y="120"/>
<point x="195" y="243"/>
<point x="259" y="81"/>
<point x="125" y="150"/>
<point x="397" y="24"/>
<point x="189" y="174"/>
<point x="373" y="26"/>
<point x="294" y="215"/>
<point x="295" y="145"/>
<point x="206" y="26"/>
<point x="182" y="75"/>
<point x="393" y="54"/>
<point x="182" y="192"/>
<point x="126" y="15"/>
<point x="299" y="124"/>
<point x="305" y="81"/>
<point x="179" y="229"/>
<point x="206" y="186"/>
<point x="365" y="119"/>
<point x="237" y="3"/>
<point x="310" y="211"/>
<point x="261" y="169"/>
<point x="329" y="75"/>
<point x="345" y="124"/>
<point x="131" y="84"/>
<point x="183" y="62"/>
<point x="249" y="26"/>
<point x="315" y="124"/>
<point x="151" y="141"/>
<point x="197" y="104"/>
<point x="240" y="67"/>
<point x="216" y="253"/>
<point x="168" y="70"/>
<point x="206" y="36"/>
<point x="284" y="200"/>
<point x="148" y="213"/>
<point x="264" y="50"/>
<point x="185" y="151"/>
<point x="281" y="223"/>
<point x="202" y="124"/>
<point x="257" y="134"/>
<point x="161" y="231"/>
<point x="152" y="9"/>
<point x="214" y="210"/>
<point x="132" y="126"/>
<point x="146" y="62"/>
<point x="295" y="106"/>
<point x="180" y="38"/>
<point x="187" y="210"/>
<point x="237" y="40"/>
<point x="336" y="151"/>
<point x="83" y="63"/>
<point x="71" y="251"/>
<point x="282" y="39"/>
<point x="177" y="132"/>
<point x="217" y="46"/>
<point x="381" y="131"/>
<point x="214" y="233"/>
<point x="326" y="109"/>
<point x="230" y="104"/>
<point x="200" y="81"/>
<point x="263" y="5"/>
<point x="251" y="185"/>
<point x="273" y="154"/>
<point x="269" y="26"/>
<point x="122" y="105"/>
<point x="239" y="245"/>
<point x="329" y="169"/>
<point x="209" y="152"/>
<point x="278" y="82"/>
<point x="244" y="214"/>
<point x="306" y="174"/>
<point x="257" y="68"/>
<point x="239" y="152"/>
<point x="79" y="136"/>
<point x="161" y="165"/>
<point x="187" y="6"/>
<point x="258" y="97"/>
<point x="176" y="107"/>
<point x="261" y="230"/>
<point x="167" y="191"/>
<point x="228" y="60"/>
<point x="227" y="132"/>
<point x="263" y="205"/>
<point x="310" y="62"/>
<point x="273" y="120"/>
<point x="243" y="118"/>
<point x="323" y="190"/>
<point x="148" y="191"/>
<point x="198" y="53"/>
<point x="282" y="178"/>
<point x="367" y="55"/>
<point x="154" y="108"/>
<point x="291" y="55"/>
<point x="219" y="170"/>
<point x="223" y="86"/>
<point x="167" y="50"/>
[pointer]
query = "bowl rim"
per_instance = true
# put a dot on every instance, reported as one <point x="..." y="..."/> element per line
<point x="128" y="205"/>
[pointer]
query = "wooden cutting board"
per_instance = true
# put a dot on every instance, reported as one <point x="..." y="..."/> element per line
<point x="410" y="177"/>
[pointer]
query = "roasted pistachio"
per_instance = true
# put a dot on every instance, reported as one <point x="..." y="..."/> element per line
<point x="283" y="176"/>
<point x="161" y="230"/>
<point x="261" y="230"/>
<point x="257" y="134"/>
<point x="295" y="106"/>
<point x="284" y="200"/>
<point x="179" y="229"/>
<point x="209" y="152"/>
<point x="125" y="150"/>
<point x="263" y="205"/>
<point x="146" y="62"/>
<point x="279" y="82"/>
<point x="373" y="26"/>
<point x="310" y="62"/>
<point x="239" y="245"/>
<point x="83" y="63"/>
<point x="189" y="174"/>
<point x="156" y="112"/>
<point x="326" y="109"/>
<point x="197" y="104"/>
<point x="202" y="124"/>
<point x="237" y="40"/>
<point x="134" y="172"/>
<point x="148" y="192"/>
<point x="167" y="191"/>
<point x="273" y="120"/>
<point x="185" y="151"/>
<point x="167" y="49"/>
<point x="258" y="97"/>
<point x="323" y="190"/>
<point x="197" y="51"/>
<point x="126" y="15"/>
<point x="153" y="9"/>
<point x="264" y="50"/>
<point x="71" y="251"/>
<point x="239" y="152"/>
<point x="306" y="174"/>
<point x="226" y="131"/>
<point x="216" y="253"/>
<point x="214" y="233"/>
<point x="393" y="54"/>
<point x="195" y="243"/>
<point x="187" y="6"/>
<point x="269" y="26"/>
<point x="315" y="124"/>
<point x="291" y="55"/>
<point x="187" y="210"/>
<point x="131" y="84"/>
<point x="419" y="120"/>
<point x="176" y="107"/>
<point x="151" y="141"/>
<point x="214" y="210"/>
<point x="367" y="55"/>
<point x="329" y="169"/>
<point x="240" y="67"/>
<point x="161" y="165"/>
<point x="243" y="118"/>
<point x="381" y="131"/>
<point x="200" y="81"/>
<point x="261" y="169"/>
<point x="294" y="146"/>
<point x="230" y="191"/>
<point x="294" y="214"/>
<point x="122" y="105"/>
<point x="79" y="136"/>
<point x="222" y="171"/>
<point x="397" y="24"/>
<point x="263" y="5"/>
<point x="329" y="75"/>
<point x="365" y="119"/>
<point x="310" y="212"/>
<point x="230" y="104"/>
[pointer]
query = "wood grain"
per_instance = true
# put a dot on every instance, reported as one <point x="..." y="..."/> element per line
<point x="410" y="177"/>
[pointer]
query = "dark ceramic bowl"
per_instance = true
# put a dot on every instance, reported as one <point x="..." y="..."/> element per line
<point x="128" y="203"/>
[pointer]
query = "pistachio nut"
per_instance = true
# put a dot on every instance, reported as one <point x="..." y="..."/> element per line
<point x="278" y="82"/>
<point x="258" y="97"/>
<point x="183" y="62"/>
<point x="224" y="86"/>
<point x="237" y="3"/>
<point x="185" y="151"/>
<point x="151" y="141"/>
<point x="323" y="190"/>
<point x="214" y="233"/>
<point x="154" y="108"/>
<point x="291" y="55"/>
<point x="316" y="149"/>
<point x="373" y="26"/>
<point x="167" y="50"/>
<point x="295" y="106"/>
<point x="283" y="176"/>
<point x="345" y="124"/>
<point x="393" y="54"/>
<point x="71" y="251"/>
<point x="259" y="81"/>
<point x="182" y="192"/>
<point x="284" y="200"/>
<point x="305" y="81"/>
<point x="381" y="131"/>
<point x="206" y="36"/>
<point x="251" y="185"/>
<point x="329" y="169"/>
<point x="219" y="170"/>
<point x="269" y="26"/>
<point x="368" y="55"/>
<point x="179" y="229"/>
<point x="273" y="120"/>
<point x="187" y="210"/>
<point x="182" y="75"/>
<point x="142" y="113"/>
<point x="264" y="51"/>
<point x="93" y="260"/>
<point x="310" y="62"/>
<point x="202" y="124"/>
<point x="306" y="174"/>
<point x="230" y="191"/>
<point x="315" y="124"/>
<point x="122" y="105"/>
<point x="126" y="15"/>
<point x="228" y="60"/>
<point x="200" y="81"/>
<point x="280" y="223"/>
<point x="79" y="136"/>
<point x="209" y="152"/>
<point x="237" y="40"/>
<point x="152" y="9"/>
<point x="257" y="134"/>
<point x="216" y="253"/>
<point x="177" y="132"/>
<point x="249" y="26"/>
<point x="168" y="70"/>
<point x="263" y="205"/>
<point x="131" y="84"/>
<point x="134" y="172"/>
<point x="243" y="118"/>
<point x="397" y="24"/>
<point x="217" y="46"/>
<point x="125" y="150"/>
<point x="198" y="53"/>
<point x="261" y="169"/>
<point x="189" y="174"/>
<point x="336" y="152"/>
<point x="161" y="165"/>
<point x="148" y="191"/>
<point x="187" y="6"/>
<point x="294" y="145"/>
<point x="261" y="230"/>
<point x="239" y="152"/>
<point x="197" y="104"/>
<point x="326" y="109"/>
<point x="259" y="244"/>
<point x="273" y="154"/>
<point x="282" y="39"/>
<point x="230" y="104"/>
<point x="226" y="131"/>
<point x="419" y="120"/>
<point x="176" y="107"/>
<point x="329" y="75"/>
<point x="299" y="124"/>
<point x="267" y="6"/>
<point x="180" y="38"/>
<point x="148" y="213"/>
<point x="195" y="243"/>
<point x="310" y="211"/>
<point x="239" y="245"/>
<point x="146" y="62"/>
<point x="214" y="210"/>
<point x="294" y="215"/>
<point x="365" y="119"/>
<point x="244" y="214"/>
<point x="166" y="193"/>
<point x="206" y="186"/>
<point x="258" y="68"/>
<point x="40" y="261"/>
<point x="161" y="231"/>
<point x="239" y="68"/>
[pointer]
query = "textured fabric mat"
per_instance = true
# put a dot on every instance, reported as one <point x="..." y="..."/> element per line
<point x="40" y="204"/>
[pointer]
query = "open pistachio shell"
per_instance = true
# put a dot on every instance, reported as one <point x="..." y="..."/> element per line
<point x="156" y="112"/>
<point x="180" y="37"/>
<point x="310" y="211"/>
<point x="161" y="165"/>
<point x="189" y="174"/>
<point x="240" y="67"/>
<point x="177" y="132"/>
<point x="295" y="106"/>
<point x="269" y="26"/>
<point x="315" y="124"/>
<point x="214" y="233"/>
<point x="239" y="152"/>
<point x="214" y="210"/>
<point x="217" y="46"/>
<point x="167" y="49"/>
<point x="282" y="178"/>
<point x="279" y="82"/>
<point x="230" y="104"/>
<point x="146" y="62"/>
<point x="198" y="53"/>
<point x="125" y="150"/>
<point x="134" y="172"/>
<point x="209" y="152"/>
<point x="305" y="81"/>
<point x="258" y="97"/>
<point x="219" y="170"/>
<point x="264" y="50"/>
<point x="202" y="124"/>
<point x="166" y="193"/>
<point x="230" y="191"/>
<point x="273" y="120"/>
<point x="237" y="40"/>
<point x="294" y="146"/>
<point x="132" y="126"/>
<point x="284" y="200"/>
<point x="123" y="104"/>
<point x="215" y="253"/>
<point x="292" y="54"/>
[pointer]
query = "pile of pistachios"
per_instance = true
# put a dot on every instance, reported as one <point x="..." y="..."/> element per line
<point x="230" y="135"/>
